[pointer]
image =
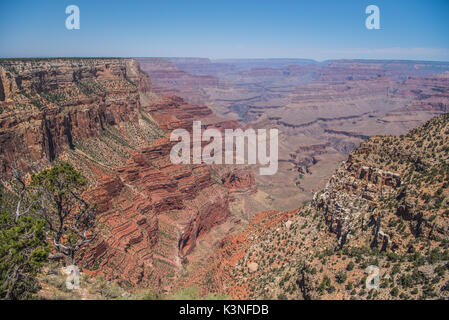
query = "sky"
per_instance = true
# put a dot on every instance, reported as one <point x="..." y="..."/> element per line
<point x="318" y="29"/>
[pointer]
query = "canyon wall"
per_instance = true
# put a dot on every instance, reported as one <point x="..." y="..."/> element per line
<point x="48" y="104"/>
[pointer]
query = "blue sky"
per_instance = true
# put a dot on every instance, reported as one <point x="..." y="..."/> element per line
<point x="320" y="29"/>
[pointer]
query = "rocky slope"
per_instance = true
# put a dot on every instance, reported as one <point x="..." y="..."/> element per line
<point x="386" y="206"/>
<point x="103" y="116"/>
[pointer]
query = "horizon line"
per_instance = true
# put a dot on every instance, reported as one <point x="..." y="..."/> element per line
<point x="223" y="59"/>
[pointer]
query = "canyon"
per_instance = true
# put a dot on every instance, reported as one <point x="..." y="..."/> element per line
<point x="345" y="192"/>
<point x="323" y="110"/>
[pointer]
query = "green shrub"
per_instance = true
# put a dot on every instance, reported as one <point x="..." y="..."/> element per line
<point x="23" y="250"/>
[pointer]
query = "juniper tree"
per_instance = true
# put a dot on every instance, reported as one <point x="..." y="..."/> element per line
<point x="69" y="218"/>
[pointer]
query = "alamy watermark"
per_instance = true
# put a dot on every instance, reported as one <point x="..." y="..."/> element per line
<point x="254" y="144"/>
<point x="72" y="22"/>
<point x="73" y="277"/>
<point x="372" y="22"/>
<point x="373" y="278"/>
